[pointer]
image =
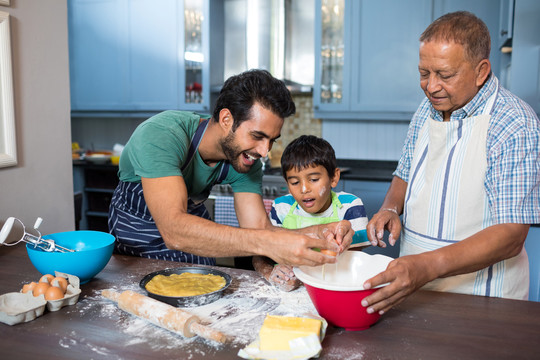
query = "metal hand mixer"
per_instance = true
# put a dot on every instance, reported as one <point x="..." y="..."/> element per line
<point x="44" y="244"/>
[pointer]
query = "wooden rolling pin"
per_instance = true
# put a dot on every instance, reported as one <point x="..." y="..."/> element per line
<point x="163" y="315"/>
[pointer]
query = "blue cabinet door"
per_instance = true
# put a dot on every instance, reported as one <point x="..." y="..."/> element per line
<point x="380" y="78"/>
<point x="135" y="56"/>
<point x="532" y="246"/>
<point x="384" y="69"/>
<point x="525" y="63"/>
<point x="154" y="51"/>
<point x="373" y="68"/>
<point x="333" y="22"/>
<point x="99" y="54"/>
<point x="123" y="54"/>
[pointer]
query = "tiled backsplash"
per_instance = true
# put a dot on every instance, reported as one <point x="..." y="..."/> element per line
<point x="301" y="123"/>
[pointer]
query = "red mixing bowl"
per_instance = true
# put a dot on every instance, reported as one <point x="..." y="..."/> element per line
<point x="343" y="308"/>
<point x="337" y="292"/>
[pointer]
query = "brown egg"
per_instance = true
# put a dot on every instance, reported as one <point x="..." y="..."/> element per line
<point x="41" y="288"/>
<point x="54" y="293"/>
<point x="47" y="278"/>
<point x="328" y="252"/>
<point x="60" y="282"/>
<point x="29" y="287"/>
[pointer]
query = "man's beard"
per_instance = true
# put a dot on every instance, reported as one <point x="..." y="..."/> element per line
<point x="233" y="153"/>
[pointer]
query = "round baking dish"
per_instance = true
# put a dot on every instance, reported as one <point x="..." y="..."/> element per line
<point x="187" y="301"/>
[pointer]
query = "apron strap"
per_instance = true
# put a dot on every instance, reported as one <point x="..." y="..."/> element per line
<point x="195" y="141"/>
<point x="488" y="108"/>
<point x="194" y="145"/>
<point x="223" y="172"/>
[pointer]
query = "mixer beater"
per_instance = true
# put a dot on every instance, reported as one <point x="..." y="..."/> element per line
<point x="44" y="244"/>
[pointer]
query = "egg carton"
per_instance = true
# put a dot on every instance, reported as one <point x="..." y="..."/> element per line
<point x="18" y="307"/>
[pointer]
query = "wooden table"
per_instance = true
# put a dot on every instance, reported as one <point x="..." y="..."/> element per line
<point x="429" y="325"/>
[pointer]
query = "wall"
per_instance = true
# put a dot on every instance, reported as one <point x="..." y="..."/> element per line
<point x="366" y="140"/>
<point x="41" y="184"/>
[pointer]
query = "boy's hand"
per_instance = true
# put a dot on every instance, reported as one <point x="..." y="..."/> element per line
<point x="341" y="232"/>
<point x="283" y="278"/>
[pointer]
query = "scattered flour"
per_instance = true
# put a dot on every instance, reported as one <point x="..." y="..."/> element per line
<point x="238" y="314"/>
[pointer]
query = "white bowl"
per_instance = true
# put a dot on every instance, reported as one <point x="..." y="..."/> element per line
<point x="98" y="158"/>
<point x="350" y="272"/>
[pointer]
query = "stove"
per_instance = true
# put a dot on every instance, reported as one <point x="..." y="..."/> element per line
<point x="273" y="186"/>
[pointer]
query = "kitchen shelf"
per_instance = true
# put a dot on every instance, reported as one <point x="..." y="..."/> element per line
<point x="97" y="183"/>
<point x="97" y="213"/>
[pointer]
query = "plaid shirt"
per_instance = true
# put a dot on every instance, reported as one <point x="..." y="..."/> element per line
<point x="512" y="180"/>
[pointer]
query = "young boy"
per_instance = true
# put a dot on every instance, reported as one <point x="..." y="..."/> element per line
<point x="310" y="168"/>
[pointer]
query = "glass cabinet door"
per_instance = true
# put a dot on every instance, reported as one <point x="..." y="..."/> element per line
<point x="193" y="67"/>
<point x="331" y="78"/>
<point x="332" y="50"/>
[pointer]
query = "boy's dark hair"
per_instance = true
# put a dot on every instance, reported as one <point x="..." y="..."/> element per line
<point x="308" y="151"/>
<point x="240" y="92"/>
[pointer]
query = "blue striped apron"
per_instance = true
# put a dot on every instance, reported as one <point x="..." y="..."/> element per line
<point x="134" y="228"/>
<point x="446" y="202"/>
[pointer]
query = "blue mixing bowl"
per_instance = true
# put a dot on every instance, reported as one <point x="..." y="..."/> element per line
<point x="93" y="250"/>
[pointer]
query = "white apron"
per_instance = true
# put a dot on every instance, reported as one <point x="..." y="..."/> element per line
<point x="448" y="203"/>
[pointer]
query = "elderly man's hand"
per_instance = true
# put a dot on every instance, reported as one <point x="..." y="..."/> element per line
<point x="385" y="219"/>
<point x="405" y="275"/>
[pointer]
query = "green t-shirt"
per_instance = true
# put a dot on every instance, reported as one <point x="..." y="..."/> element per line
<point x="159" y="147"/>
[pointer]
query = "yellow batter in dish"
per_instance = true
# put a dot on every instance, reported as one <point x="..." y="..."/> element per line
<point x="185" y="284"/>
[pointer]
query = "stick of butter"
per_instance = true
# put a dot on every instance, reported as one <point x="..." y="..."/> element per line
<point x="276" y="331"/>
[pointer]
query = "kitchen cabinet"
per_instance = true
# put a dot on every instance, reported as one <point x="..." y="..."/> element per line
<point x="506" y="23"/>
<point x="365" y="68"/>
<point x="532" y="246"/>
<point x="142" y="55"/>
<point x="524" y="73"/>
<point x="367" y="54"/>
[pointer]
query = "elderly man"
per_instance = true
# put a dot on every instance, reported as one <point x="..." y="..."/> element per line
<point x="467" y="182"/>
<point x="173" y="159"/>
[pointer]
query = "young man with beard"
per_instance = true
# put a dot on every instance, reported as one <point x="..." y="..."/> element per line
<point x="173" y="159"/>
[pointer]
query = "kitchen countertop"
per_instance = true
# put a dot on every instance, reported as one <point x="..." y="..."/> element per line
<point x="427" y="325"/>
<point x="367" y="170"/>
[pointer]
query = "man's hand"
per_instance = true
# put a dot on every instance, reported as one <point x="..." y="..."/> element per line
<point x="405" y="275"/>
<point x="338" y="233"/>
<point x="296" y="247"/>
<point x="385" y="219"/>
<point x="388" y="216"/>
<point x="409" y="273"/>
